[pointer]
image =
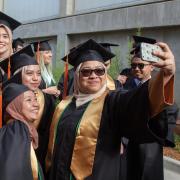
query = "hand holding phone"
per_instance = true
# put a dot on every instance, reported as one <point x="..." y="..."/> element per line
<point x="146" y="51"/>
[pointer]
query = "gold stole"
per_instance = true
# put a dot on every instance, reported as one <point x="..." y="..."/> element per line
<point x="55" y="120"/>
<point x="86" y="139"/>
<point x="110" y="83"/>
<point x="34" y="163"/>
<point x="41" y="101"/>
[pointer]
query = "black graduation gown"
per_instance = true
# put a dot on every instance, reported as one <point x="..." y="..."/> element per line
<point x="15" y="163"/>
<point x="44" y="127"/>
<point x="115" y="123"/>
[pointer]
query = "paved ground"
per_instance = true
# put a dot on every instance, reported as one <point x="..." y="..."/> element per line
<point x="171" y="169"/>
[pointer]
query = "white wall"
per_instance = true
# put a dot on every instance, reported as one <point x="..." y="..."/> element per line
<point x="31" y="10"/>
<point x="84" y="5"/>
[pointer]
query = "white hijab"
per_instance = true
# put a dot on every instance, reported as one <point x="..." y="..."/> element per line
<point x="82" y="98"/>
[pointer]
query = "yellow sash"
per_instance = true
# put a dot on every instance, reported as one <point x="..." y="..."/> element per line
<point x="110" y="83"/>
<point x="40" y="98"/>
<point x="34" y="163"/>
<point x="86" y="139"/>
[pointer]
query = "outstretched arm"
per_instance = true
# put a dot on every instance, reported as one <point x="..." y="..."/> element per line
<point x="161" y="87"/>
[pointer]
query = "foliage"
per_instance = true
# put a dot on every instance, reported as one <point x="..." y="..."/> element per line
<point x="177" y="142"/>
<point x="115" y="64"/>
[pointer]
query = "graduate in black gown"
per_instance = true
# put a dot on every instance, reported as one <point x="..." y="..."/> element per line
<point x="87" y="128"/>
<point x="146" y="159"/>
<point x="7" y="25"/>
<point x="26" y="71"/>
<point x="19" y="137"/>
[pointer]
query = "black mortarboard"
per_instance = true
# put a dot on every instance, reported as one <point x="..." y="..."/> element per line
<point x="43" y="45"/>
<point x="17" y="78"/>
<point x="108" y="45"/>
<point x="90" y="50"/>
<point x="23" y="57"/>
<point x="17" y="42"/>
<point x="11" y="91"/>
<point x="126" y="72"/>
<point x="8" y="21"/>
<point x="137" y="42"/>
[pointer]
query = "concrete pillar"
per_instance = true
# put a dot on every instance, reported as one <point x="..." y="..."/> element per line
<point x="1" y="5"/>
<point x="66" y="7"/>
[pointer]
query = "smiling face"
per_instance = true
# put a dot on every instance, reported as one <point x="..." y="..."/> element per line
<point x="30" y="106"/>
<point x="47" y="56"/>
<point x="141" y="69"/>
<point x="93" y="82"/>
<point x="4" y="42"/>
<point x="31" y="77"/>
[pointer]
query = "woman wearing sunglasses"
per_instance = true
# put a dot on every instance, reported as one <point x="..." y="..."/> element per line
<point x="19" y="137"/>
<point x="87" y="128"/>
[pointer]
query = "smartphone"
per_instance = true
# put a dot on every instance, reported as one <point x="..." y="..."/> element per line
<point x="146" y="50"/>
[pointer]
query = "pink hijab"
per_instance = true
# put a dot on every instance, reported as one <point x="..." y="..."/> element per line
<point x="14" y="110"/>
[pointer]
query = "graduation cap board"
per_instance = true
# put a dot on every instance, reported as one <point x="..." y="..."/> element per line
<point x="17" y="42"/>
<point x="108" y="45"/>
<point x="8" y="21"/>
<point x="89" y="50"/>
<point x="41" y="45"/>
<point x="144" y="48"/>
<point x="19" y="59"/>
<point x="137" y="43"/>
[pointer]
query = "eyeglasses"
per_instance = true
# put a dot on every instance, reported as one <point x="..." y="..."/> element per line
<point x="88" y="72"/>
<point x="139" y="65"/>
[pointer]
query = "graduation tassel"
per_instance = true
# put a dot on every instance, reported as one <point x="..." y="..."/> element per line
<point x="9" y="69"/>
<point x="38" y="53"/>
<point x="65" y="78"/>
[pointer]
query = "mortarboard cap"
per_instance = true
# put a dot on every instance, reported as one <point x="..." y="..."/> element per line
<point x="17" y="42"/>
<point x="89" y="50"/>
<point x="43" y="45"/>
<point x="138" y="40"/>
<point x="11" y="91"/>
<point x="17" y="78"/>
<point x="8" y="21"/>
<point x="19" y="59"/>
<point x="108" y="45"/>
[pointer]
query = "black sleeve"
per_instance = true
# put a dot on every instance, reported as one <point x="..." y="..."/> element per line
<point x="130" y="115"/>
<point x="61" y="83"/>
<point x="15" y="152"/>
<point x="44" y="128"/>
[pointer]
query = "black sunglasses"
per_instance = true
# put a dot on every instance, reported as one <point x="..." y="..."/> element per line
<point x="139" y="65"/>
<point x="88" y="72"/>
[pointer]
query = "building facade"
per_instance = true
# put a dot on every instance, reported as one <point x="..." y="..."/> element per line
<point x="69" y="22"/>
